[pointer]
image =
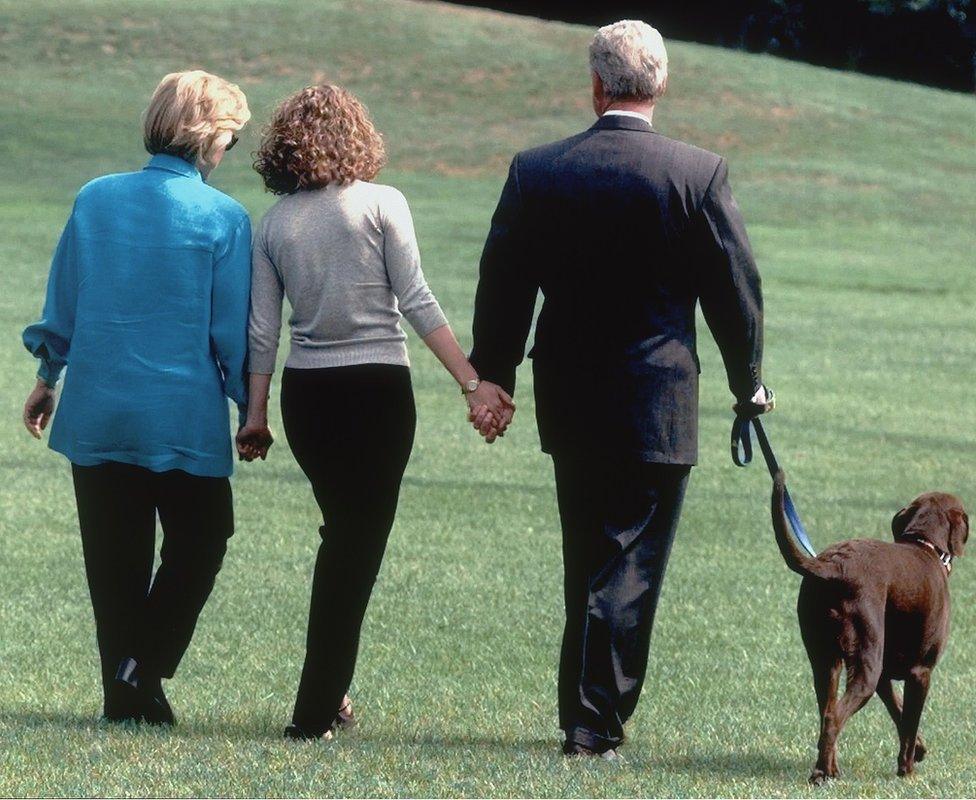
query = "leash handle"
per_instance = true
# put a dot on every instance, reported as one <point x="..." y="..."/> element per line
<point x="742" y="430"/>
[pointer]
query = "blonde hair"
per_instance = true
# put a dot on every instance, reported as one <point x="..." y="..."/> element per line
<point x="190" y="111"/>
<point x="631" y="60"/>
<point x="318" y="136"/>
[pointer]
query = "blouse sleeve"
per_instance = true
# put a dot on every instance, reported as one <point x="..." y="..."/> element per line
<point x="49" y="339"/>
<point x="228" y="318"/>
<point x="402" y="255"/>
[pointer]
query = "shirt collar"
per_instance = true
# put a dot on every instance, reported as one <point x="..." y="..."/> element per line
<point x="621" y="113"/>
<point x="169" y="163"/>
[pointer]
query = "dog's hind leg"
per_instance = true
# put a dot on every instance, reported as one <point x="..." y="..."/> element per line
<point x="826" y="679"/>
<point x="916" y="690"/>
<point x="892" y="701"/>
<point x="863" y="672"/>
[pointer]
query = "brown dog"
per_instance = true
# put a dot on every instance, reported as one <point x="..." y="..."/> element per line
<point x="879" y="609"/>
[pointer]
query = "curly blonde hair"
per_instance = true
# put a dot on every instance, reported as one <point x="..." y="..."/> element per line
<point x="319" y="136"/>
<point x="190" y="112"/>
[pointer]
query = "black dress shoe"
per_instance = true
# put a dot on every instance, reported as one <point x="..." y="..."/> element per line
<point x="121" y="711"/>
<point x="298" y="733"/>
<point x="156" y="708"/>
<point x="145" y="693"/>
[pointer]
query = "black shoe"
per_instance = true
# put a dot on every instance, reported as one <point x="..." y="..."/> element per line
<point x="298" y="733"/>
<point x="120" y="710"/>
<point x="156" y="708"/>
<point x="145" y="693"/>
<point x="576" y="750"/>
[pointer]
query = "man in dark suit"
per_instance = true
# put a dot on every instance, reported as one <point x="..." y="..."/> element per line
<point x="624" y="231"/>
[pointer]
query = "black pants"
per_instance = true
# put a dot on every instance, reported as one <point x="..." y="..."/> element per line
<point x="138" y="615"/>
<point x="351" y="430"/>
<point x="618" y="520"/>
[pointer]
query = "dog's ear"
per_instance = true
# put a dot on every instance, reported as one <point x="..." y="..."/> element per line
<point x="958" y="530"/>
<point x="900" y="521"/>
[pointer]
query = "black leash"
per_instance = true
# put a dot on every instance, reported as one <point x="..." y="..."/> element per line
<point x="742" y="430"/>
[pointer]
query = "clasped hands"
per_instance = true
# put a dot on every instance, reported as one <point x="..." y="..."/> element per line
<point x="254" y="439"/>
<point x="490" y="410"/>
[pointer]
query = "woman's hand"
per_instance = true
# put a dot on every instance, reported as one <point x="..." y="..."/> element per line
<point x="254" y="439"/>
<point x="490" y="410"/>
<point x="38" y="409"/>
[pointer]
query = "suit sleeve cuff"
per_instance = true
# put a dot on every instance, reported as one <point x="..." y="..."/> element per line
<point x="502" y="376"/>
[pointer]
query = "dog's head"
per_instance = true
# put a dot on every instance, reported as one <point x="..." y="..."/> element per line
<point x="938" y="518"/>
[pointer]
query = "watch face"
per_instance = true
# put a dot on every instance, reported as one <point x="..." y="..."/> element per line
<point x="472" y="385"/>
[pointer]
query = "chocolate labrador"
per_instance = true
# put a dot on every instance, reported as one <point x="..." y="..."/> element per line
<point x="880" y="610"/>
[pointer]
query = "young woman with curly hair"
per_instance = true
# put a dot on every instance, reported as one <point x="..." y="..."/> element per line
<point x="343" y="250"/>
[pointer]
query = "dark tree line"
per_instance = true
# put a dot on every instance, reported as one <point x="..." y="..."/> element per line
<point x="925" y="41"/>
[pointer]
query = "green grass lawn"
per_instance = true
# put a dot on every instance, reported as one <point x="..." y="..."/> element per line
<point x="859" y="196"/>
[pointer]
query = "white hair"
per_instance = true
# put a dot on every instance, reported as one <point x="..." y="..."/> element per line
<point x="630" y="58"/>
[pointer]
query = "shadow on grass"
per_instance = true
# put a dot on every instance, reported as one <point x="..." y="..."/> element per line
<point x="744" y="765"/>
<point x="729" y="765"/>
<point x="43" y="718"/>
<point x="269" y="732"/>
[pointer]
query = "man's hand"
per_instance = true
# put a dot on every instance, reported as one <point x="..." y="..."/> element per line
<point x="490" y="410"/>
<point x="254" y="439"/>
<point x="762" y="402"/>
<point x="38" y="409"/>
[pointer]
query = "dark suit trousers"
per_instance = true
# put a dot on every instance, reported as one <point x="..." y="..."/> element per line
<point x="619" y="519"/>
<point x="138" y="615"/>
<point x="351" y="430"/>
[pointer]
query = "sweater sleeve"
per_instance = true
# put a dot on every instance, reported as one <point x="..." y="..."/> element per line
<point x="402" y="255"/>
<point x="267" y="294"/>
<point x="49" y="339"/>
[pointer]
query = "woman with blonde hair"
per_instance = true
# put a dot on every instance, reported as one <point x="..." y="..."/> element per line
<point x="147" y="304"/>
<point x="343" y="249"/>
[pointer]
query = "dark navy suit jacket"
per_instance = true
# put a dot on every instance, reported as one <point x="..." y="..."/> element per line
<point x="624" y="231"/>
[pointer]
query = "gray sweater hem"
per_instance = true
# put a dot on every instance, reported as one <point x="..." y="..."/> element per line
<point x="348" y="355"/>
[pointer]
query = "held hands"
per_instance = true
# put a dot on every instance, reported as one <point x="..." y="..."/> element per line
<point x="38" y="409"/>
<point x="254" y="439"/>
<point x="490" y="410"/>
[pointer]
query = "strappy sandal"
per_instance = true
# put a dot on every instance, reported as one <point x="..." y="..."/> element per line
<point x="345" y="719"/>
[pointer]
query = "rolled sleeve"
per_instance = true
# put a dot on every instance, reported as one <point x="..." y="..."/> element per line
<point x="402" y="255"/>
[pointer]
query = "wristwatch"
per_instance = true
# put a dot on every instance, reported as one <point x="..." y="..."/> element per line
<point x="471" y="386"/>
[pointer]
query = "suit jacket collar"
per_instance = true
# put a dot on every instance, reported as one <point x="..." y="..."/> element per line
<point x="617" y="122"/>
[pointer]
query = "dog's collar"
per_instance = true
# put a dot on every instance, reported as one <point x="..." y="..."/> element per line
<point x="944" y="558"/>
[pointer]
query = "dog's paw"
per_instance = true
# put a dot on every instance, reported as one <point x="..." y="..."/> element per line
<point x="920" y="749"/>
<point x="904" y="770"/>
<point x="819" y="777"/>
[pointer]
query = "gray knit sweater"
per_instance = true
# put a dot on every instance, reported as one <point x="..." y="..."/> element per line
<point x="347" y="258"/>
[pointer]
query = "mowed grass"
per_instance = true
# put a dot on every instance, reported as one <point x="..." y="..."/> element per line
<point x="859" y="196"/>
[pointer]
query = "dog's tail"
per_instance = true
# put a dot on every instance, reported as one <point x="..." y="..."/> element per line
<point x="796" y="558"/>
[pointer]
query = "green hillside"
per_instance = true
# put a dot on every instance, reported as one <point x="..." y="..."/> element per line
<point x="859" y="194"/>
